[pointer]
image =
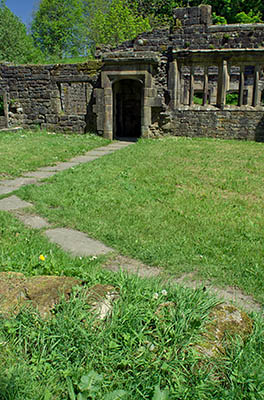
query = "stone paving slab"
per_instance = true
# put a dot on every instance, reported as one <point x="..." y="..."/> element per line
<point x="98" y="153"/>
<point x="84" y="158"/>
<point x="33" y="221"/>
<point x="60" y="167"/>
<point x="40" y="174"/>
<point x="77" y="243"/>
<point x="13" y="203"/>
<point x="120" y="144"/>
<point x="104" y="148"/>
<point x="114" y="147"/>
<point x="18" y="182"/>
<point x="131" y="266"/>
<point x="7" y="189"/>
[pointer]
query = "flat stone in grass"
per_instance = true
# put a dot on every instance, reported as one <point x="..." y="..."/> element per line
<point x="13" y="203"/>
<point x="33" y="221"/>
<point x="7" y="189"/>
<point x="119" y="145"/>
<point x="18" y="182"/>
<point x="84" y="158"/>
<point x="103" y="150"/>
<point x="40" y="174"/>
<point x="42" y="292"/>
<point x="76" y="242"/>
<point x="60" y="167"/>
<point x="121" y="263"/>
<point x="98" y="153"/>
<point x="45" y="292"/>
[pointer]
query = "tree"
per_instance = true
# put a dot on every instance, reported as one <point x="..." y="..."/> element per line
<point x="58" y="28"/>
<point x="15" y="44"/>
<point x="116" y="24"/>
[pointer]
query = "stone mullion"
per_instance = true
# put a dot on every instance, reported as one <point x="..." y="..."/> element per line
<point x="191" y="89"/>
<point x="256" y="86"/>
<point x="222" y="84"/>
<point x="174" y="84"/>
<point x="205" y="86"/>
<point x="179" y="88"/>
<point x="241" y="85"/>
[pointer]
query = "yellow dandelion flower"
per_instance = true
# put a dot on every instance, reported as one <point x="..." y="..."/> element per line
<point x="41" y="257"/>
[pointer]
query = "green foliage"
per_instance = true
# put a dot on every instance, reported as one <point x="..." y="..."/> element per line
<point x="236" y="11"/>
<point x="249" y="18"/>
<point x="198" y="98"/>
<point x="90" y="388"/>
<point x="58" y="28"/>
<point x="160" y="11"/>
<point x="218" y="20"/>
<point x="161" y="394"/>
<point x="117" y="24"/>
<point x="15" y="44"/>
<point x="232" y="99"/>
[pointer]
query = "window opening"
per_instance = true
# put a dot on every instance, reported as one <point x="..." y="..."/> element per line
<point x="232" y="98"/>
<point x="2" y="108"/>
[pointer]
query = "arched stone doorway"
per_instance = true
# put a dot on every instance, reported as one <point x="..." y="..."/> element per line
<point x="127" y="110"/>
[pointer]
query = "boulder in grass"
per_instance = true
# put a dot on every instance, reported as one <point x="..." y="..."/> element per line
<point x="226" y="322"/>
<point x="42" y="292"/>
<point x="101" y="298"/>
<point x="45" y="292"/>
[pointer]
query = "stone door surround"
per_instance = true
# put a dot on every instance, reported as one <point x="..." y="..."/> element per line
<point x="139" y="68"/>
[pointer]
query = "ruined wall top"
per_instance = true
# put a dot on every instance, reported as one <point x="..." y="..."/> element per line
<point x="187" y="16"/>
<point x="192" y="30"/>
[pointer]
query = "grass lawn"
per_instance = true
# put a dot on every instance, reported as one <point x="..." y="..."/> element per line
<point x="186" y="205"/>
<point x="24" y="150"/>
<point x="181" y="204"/>
<point x="135" y="355"/>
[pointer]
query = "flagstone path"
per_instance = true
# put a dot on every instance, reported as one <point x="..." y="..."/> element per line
<point x="79" y="244"/>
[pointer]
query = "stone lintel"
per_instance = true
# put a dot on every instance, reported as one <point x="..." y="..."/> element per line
<point x="124" y="60"/>
<point x="210" y="57"/>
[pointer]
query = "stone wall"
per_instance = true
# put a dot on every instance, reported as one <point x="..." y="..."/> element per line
<point x="193" y="30"/>
<point x="227" y="124"/>
<point x="170" y="65"/>
<point x="55" y="97"/>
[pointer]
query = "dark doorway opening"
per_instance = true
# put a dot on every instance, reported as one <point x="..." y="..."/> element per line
<point x="127" y="95"/>
<point x="2" y="108"/>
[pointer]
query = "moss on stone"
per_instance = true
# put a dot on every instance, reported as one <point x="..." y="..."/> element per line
<point x="226" y="322"/>
<point x="90" y="68"/>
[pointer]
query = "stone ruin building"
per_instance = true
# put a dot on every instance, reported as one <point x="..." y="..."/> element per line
<point x="171" y="81"/>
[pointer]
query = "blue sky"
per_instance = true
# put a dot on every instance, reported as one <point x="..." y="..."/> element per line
<point x="22" y="8"/>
